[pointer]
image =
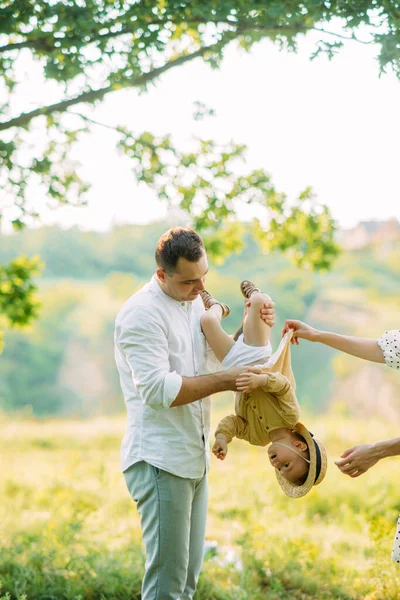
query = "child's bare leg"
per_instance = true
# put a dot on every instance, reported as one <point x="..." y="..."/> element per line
<point x="255" y="331"/>
<point x="218" y="339"/>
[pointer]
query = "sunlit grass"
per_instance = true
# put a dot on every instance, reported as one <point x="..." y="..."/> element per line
<point x="68" y="528"/>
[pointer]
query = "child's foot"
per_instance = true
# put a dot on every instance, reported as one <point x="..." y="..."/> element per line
<point x="209" y="301"/>
<point x="248" y="288"/>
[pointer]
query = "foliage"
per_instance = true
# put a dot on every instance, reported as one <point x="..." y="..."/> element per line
<point x="88" y="50"/>
<point x="18" y="299"/>
<point x="65" y="362"/>
<point x="70" y="529"/>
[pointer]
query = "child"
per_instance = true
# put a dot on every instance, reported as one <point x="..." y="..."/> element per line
<point x="266" y="406"/>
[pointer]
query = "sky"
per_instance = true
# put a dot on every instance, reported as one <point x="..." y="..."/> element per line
<point x="332" y="125"/>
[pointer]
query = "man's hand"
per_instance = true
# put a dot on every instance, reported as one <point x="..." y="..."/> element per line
<point x="300" y="330"/>
<point x="357" y="460"/>
<point x="220" y="448"/>
<point x="248" y="382"/>
<point x="267" y="314"/>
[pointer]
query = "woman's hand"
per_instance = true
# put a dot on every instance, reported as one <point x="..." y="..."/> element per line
<point x="357" y="460"/>
<point x="300" y="330"/>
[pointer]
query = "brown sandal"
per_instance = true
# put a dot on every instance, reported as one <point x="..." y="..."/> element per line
<point x="209" y="301"/>
<point x="248" y="288"/>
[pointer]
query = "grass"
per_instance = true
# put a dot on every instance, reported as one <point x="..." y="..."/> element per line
<point x="69" y="530"/>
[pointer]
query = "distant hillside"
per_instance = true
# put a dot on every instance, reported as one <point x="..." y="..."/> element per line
<point x="65" y="365"/>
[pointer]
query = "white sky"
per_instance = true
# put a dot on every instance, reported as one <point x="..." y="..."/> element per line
<point x="332" y="125"/>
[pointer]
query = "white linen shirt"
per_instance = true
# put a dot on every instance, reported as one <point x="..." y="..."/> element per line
<point x="157" y="341"/>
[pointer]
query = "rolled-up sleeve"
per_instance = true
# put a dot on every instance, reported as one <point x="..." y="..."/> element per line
<point x="289" y="409"/>
<point x="389" y="343"/>
<point x="144" y="346"/>
<point x="277" y="384"/>
<point x="233" y="426"/>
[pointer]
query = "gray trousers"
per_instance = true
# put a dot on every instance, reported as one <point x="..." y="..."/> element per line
<point x="173" y="513"/>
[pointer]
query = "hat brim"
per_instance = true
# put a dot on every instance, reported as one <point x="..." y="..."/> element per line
<point x="297" y="491"/>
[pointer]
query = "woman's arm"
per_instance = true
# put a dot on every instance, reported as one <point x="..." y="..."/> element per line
<point x="365" y="348"/>
<point x="357" y="460"/>
<point x="356" y="346"/>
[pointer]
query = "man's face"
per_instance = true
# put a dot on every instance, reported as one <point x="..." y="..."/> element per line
<point x="187" y="281"/>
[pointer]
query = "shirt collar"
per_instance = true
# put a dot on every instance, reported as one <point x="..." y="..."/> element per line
<point x="155" y="285"/>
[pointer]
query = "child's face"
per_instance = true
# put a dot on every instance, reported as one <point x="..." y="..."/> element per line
<point x="291" y="466"/>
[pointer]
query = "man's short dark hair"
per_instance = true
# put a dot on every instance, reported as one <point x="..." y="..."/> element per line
<point x="180" y="242"/>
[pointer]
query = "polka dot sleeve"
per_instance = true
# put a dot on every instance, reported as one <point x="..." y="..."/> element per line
<point x="389" y="343"/>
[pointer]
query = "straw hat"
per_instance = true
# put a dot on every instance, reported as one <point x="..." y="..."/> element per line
<point x="318" y="465"/>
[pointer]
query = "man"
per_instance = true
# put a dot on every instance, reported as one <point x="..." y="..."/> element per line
<point x="161" y="358"/>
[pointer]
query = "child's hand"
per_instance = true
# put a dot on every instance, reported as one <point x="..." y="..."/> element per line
<point x="248" y="382"/>
<point x="220" y="448"/>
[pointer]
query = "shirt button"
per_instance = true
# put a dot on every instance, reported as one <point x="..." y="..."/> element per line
<point x="254" y="407"/>
<point x="260" y="418"/>
<point x="267" y="428"/>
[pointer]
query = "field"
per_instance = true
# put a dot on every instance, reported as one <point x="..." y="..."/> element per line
<point x="69" y="530"/>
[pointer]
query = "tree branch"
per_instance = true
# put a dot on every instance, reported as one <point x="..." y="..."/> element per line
<point x="26" y="44"/>
<point x="45" y="44"/>
<point x="93" y="95"/>
<point x="343" y="37"/>
<point x="303" y="30"/>
<point x="89" y="120"/>
<point x="24" y="118"/>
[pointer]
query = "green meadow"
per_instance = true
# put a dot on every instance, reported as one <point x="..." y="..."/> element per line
<point x="69" y="529"/>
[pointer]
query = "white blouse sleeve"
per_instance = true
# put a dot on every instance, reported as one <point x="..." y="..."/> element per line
<point x="389" y="343"/>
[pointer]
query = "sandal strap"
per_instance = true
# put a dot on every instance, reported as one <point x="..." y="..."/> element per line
<point x="209" y="301"/>
<point x="248" y="288"/>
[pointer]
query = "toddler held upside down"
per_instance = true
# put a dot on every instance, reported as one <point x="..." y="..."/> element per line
<point x="266" y="407"/>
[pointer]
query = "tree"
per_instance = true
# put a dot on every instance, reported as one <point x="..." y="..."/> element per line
<point x="93" y="48"/>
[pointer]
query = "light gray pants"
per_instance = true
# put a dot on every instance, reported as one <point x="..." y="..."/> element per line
<point x="173" y="513"/>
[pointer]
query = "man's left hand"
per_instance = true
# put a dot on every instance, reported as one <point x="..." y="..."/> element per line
<point x="267" y="314"/>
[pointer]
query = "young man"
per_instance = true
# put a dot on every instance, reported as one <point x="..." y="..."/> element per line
<point x="161" y="358"/>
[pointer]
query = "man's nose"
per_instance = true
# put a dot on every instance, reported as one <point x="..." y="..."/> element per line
<point x="201" y="285"/>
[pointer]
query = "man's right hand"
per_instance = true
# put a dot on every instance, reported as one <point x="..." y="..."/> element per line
<point x="300" y="330"/>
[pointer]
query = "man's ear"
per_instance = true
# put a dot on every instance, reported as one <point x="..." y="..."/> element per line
<point x="161" y="274"/>
<point x="299" y="445"/>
